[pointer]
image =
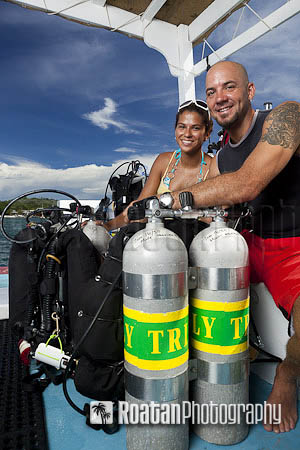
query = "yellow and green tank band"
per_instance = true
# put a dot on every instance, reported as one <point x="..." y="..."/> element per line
<point x="156" y="341"/>
<point x="219" y="327"/>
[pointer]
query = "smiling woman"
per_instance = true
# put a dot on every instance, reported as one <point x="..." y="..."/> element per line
<point x="184" y="167"/>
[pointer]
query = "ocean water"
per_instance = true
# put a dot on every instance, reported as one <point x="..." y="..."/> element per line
<point x="12" y="226"/>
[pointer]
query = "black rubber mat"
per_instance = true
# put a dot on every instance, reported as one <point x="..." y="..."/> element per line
<point x="22" y="422"/>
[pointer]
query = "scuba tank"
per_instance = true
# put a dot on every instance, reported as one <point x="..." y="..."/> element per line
<point x="98" y="236"/>
<point x="155" y="291"/>
<point x="219" y="317"/>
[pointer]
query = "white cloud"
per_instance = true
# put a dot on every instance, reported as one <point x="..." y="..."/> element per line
<point x="19" y="161"/>
<point x="125" y="150"/>
<point x="23" y="175"/>
<point x="108" y="117"/>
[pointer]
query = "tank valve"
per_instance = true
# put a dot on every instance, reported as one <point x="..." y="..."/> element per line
<point x="186" y="200"/>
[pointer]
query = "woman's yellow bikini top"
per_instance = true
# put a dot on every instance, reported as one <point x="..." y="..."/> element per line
<point x="165" y="180"/>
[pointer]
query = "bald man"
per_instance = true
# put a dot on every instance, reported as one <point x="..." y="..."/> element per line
<point x="261" y="165"/>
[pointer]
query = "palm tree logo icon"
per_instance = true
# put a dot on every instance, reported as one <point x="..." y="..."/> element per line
<point x="101" y="412"/>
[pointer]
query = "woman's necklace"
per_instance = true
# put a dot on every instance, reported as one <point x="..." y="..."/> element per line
<point x="203" y="163"/>
<point x="171" y="174"/>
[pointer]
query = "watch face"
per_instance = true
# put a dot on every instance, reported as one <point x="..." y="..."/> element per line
<point x="166" y="200"/>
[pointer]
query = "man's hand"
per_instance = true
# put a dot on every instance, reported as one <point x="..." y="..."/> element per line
<point x="102" y="224"/>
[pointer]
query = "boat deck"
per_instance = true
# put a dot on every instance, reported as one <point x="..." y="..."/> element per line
<point x="67" y="428"/>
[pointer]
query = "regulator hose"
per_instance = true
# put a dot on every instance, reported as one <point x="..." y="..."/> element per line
<point x="133" y="164"/>
<point x="36" y="191"/>
<point x="49" y="287"/>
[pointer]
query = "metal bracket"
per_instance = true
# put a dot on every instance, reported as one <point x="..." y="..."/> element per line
<point x="192" y="277"/>
<point x="193" y="369"/>
<point x="219" y="373"/>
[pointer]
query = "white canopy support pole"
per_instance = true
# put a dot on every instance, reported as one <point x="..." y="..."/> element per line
<point x="99" y="2"/>
<point x="163" y="37"/>
<point x="210" y="17"/>
<point x="186" y="78"/>
<point x="152" y="10"/>
<point x="174" y="45"/>
<point x="273" y="20"/>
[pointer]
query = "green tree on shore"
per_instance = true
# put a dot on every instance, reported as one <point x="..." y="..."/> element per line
<point x="27" y="204"/>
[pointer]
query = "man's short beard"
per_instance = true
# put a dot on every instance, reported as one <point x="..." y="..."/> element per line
<point x="228" y="124"/>
<point x="236" y="119"/>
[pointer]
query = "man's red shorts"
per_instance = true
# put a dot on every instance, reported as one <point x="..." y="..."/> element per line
<point x="276" y="262"/>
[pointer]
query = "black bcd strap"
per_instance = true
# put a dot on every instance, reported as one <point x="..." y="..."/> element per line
<point x="34" y="382"/>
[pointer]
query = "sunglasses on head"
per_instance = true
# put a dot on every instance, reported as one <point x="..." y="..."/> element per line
<point x="199" y="103"/>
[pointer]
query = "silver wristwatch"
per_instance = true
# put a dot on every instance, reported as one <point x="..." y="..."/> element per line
<point x="166" y="200"/>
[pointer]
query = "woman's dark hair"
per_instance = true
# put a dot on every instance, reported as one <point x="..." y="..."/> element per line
<point x="194" y="108"/>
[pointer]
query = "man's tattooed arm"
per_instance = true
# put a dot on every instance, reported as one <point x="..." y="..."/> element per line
<point x="283" y="126"/>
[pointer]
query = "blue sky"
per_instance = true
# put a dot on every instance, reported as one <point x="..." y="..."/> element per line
<point x="76" y="101"/>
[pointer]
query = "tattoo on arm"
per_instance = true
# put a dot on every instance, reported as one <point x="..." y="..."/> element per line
<point x="283" y="126"/>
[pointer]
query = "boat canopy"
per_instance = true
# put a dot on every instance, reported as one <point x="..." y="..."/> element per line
<point x="172" y="27"/>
